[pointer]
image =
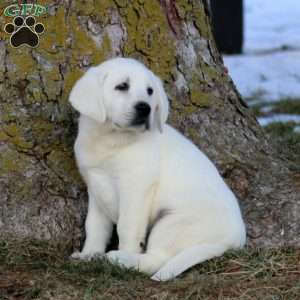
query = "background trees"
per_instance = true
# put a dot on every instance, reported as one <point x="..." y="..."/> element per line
<point x="228" y="25"/>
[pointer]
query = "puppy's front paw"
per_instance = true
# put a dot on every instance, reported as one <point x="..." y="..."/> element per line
<point x="122" y="258"/>
<point x="87" y="256"/>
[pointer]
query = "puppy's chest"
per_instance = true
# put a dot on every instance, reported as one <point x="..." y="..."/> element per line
<point x="103" y="187"/>
<point x="93" y="155"/>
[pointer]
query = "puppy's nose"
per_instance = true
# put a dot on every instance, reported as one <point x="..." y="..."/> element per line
<point x="143" y="109"/>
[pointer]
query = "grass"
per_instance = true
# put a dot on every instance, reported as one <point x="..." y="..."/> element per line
<point x="284" y="106"/>
<point x="35" y="270"/>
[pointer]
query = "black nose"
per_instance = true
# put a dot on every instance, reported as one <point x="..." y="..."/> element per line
<point x="142" y="109"/>
<point x="142" y="112"/>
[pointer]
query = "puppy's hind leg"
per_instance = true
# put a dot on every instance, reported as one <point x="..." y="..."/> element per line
<point x="187" y="259"/>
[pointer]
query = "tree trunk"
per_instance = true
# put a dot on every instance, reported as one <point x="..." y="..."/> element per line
<point x="42" y="195"/>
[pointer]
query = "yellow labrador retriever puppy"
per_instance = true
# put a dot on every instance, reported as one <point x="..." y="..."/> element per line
<point x="171" y="207"/>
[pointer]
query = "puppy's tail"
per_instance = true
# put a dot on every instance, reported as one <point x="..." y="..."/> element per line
<point x="186" y="259"/>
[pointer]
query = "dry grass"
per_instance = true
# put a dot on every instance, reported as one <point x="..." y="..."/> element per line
<point x="34" y="270"/>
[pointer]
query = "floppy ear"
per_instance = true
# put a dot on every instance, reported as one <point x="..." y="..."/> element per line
<point x="87" y="95"/>
<point x="162" y="110"/>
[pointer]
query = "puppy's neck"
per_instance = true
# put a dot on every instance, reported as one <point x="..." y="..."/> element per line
<point x="105" y="134"/>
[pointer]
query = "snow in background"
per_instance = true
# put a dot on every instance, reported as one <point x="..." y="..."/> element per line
<point x="267" y="77"/>
<point x="271" y="24"/>
<point x="269" y="68"/>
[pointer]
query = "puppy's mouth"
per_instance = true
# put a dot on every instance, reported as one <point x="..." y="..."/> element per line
<point x="133" y="126"/>
<point x="139" y="121"/>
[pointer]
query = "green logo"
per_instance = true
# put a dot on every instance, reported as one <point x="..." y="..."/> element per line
<point x="24" y="29"/>
<point x="25" y="9"/>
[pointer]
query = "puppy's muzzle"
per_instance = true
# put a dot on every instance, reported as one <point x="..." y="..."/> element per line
<point x="142" y="113"/>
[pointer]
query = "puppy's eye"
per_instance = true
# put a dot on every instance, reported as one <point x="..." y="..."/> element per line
<point x="150" y="91"/>
<point x="124" y="86"/>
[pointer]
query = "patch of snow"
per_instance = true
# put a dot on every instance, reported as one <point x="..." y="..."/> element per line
<point x="271" y="24"/>
<point x="266" y="77"/>
<point x="267" y="109"/>
<point x="297" y="129"/>
<point x="263" y="121"/>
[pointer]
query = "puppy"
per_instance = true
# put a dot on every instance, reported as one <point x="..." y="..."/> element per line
<point x="171" y="207"/>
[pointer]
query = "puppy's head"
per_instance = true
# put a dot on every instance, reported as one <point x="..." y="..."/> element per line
<point x="122" y="92"/>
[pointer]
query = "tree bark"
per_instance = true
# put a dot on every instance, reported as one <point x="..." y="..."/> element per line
<point x="41" y="193"/>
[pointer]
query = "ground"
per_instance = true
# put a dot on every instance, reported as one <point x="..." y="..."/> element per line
<point x="34" y="270"/>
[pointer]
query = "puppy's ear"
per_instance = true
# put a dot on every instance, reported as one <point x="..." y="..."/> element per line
<point x="87" y="95"/>
<point x="162" y="110"/>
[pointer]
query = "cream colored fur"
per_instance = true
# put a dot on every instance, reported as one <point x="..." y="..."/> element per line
<point x="144" y="179"/>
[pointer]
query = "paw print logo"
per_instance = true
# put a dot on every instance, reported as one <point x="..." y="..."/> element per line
<point x="24" y="32"/>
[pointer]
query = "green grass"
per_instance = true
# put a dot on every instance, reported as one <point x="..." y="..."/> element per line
<point x="288" y="106"/>
<point x="284" y="106"/>
<point x="34" y="270"/>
